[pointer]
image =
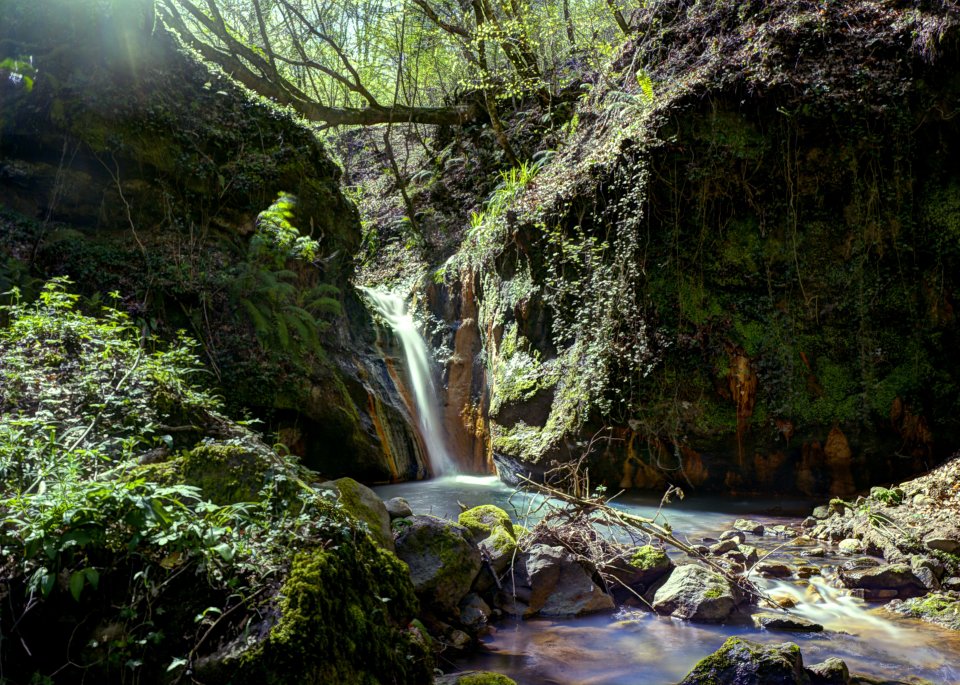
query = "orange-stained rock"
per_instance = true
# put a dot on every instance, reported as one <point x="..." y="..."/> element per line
<point x="766" y="468"/>
<point x="693" y="468"/>
<point x="838" y="458"/>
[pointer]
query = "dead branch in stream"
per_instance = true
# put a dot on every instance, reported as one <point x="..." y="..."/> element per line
<point x="586" y="524"/>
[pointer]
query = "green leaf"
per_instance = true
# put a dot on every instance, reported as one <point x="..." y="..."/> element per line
<point x="93" y="577"/>
<point x="226" y="551"/>
<point x="77" y="580"/>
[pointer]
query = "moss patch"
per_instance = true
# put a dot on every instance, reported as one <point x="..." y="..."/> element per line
<point x="482" y="521"/>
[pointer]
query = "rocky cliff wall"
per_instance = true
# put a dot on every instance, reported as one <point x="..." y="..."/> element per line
<point x="739" y="271"/>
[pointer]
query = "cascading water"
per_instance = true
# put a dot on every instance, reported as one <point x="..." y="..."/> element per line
<point x="393" y="309"/>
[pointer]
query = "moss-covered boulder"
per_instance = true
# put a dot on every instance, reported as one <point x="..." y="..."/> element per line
<point x="474" y="678"/>
<point x="442" y="557"/>
<point x="481" y="521"/>
<point x="363" y="504"/>
<point x="695" y="593"/>
<point x="941" y="608"/>
<point x="343" y="616"/>
<point x="742" y="662"/>
<point x="643" y="566"/>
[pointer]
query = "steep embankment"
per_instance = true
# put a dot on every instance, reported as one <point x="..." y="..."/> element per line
<point x="741" y="263"/>
<point x="129" y="166"/>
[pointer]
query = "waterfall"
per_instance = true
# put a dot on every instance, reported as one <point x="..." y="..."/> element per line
<point x="394" y="311"/>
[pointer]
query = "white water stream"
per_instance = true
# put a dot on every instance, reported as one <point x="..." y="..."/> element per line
<point x="393" y="310"/>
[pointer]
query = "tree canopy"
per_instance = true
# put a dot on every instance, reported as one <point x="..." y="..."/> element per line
<point x="364" y="62"/>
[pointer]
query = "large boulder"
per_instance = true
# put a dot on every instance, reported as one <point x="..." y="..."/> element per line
<point x="442" y="558"/>
<point x="481" y="521"/>
<point x="642" y="567"/>
<point x="362" y="503"/>
<point x="696" y="593"/>
<point x="875" y="581"/>
<point x="742" y="662"/>
<point x="548" y="581"/>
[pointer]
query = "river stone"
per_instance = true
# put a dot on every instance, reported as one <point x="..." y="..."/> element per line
<point x="559" y="586"/>
<point x="785" y="622"/>
<point x="749" y="526"/>
<point x="821" y="512"/>
<point x="773" y="569"/>
<point x="936" y="541"/>
<point x="474" y="612"/>
<point x="743" y="662"/>
<point x="695" y="593"/>
<point x="723" y="547"/>
<point x="482" y="520"/>
<point x="499" y="549"/>
<point x="361" y="502"/>
<point x="850" y="546"/>
<point x="642" y="566"/>
<point x="398" y="508"/>
<point x="443" y="560"/>
<point x="474" y="678"/>
<point x="833" y="671"/>
<point x="898" y="577"/>
<point x="941" y="608"/>
<point x="735" y="535"/>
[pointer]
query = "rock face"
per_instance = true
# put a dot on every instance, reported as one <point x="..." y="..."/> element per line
<point x="442" y="558"/>
<point x="695" y="593"/>
<point x="765" y="376"/>
<point x="742" y="662"/>
<point x="169" y="172"/>
<point x="941" y="608"/>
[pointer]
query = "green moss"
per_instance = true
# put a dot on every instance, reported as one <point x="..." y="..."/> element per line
<point x="503" y="541"/>
<point x="225" y="473"/>
<point x="485" y="679"/>
<point x="364" y="505"/>
<point x="343" y="617"/>
<point x="483" y="520"/>
<point x="648" y="557"/>
<point x="714" y="592"/>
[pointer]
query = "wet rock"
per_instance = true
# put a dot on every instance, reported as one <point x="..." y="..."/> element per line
<point x="928" y="570"/>
<point x="474" y="612"/>
<point x="951" y="584"/>
<point x="474" y="678"/>
<point x="833" y="671"/>
<point x="363" y="503"/>
<point x="808" y="522"/>
<point x="498" y="549"/>
<point x="850" y="546"/>
<point x="548" y="581"/>
<point x="888" y="577"/>
<point x="751" y="553"/>
<point x="783" y="531"/>
<point x="785" y="622"/>
<point x="735" y="535"/>
<point x="937" y="541"/>
<point x="813" y="552"/>
<point x="443" y="560"/>
<point x="398" y="508"/>
<point x="743" y="662"/>
<point x="749" y="526"/>
<point x="821" y="512"/>
<point x="805" y="572"/>
<point x="723" y="547"/>
<point x="941" y="608"/>
<point x="773" y="569"/>
<point x="696" y="593"/>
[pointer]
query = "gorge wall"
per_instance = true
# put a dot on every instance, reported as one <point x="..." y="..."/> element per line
<point x="739" y="270"/>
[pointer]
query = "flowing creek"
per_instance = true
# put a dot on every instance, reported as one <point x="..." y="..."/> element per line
<point x="633" y="647"/>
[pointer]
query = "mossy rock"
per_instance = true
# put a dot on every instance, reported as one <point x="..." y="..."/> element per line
<point x="481" y="521"/>
<point x="344" y="617"/>
<point x="696" y="593"/>
<point x="940" y="608"/>
<point x="742" y="662"/>
<point x="500" y="548"/>
<point x="474" y="678"/>
<point x="643" y="566"/>
<point x="362" y="503"/>
<point x="443" y="560"/>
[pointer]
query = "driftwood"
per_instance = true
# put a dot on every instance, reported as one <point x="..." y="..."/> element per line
<point x="574" y="526"/>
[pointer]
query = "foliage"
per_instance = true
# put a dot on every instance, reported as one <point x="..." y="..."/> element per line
<point x="107" y="502"/>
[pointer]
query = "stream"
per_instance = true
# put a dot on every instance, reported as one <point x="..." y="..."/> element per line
<point x="634" y="646"/>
